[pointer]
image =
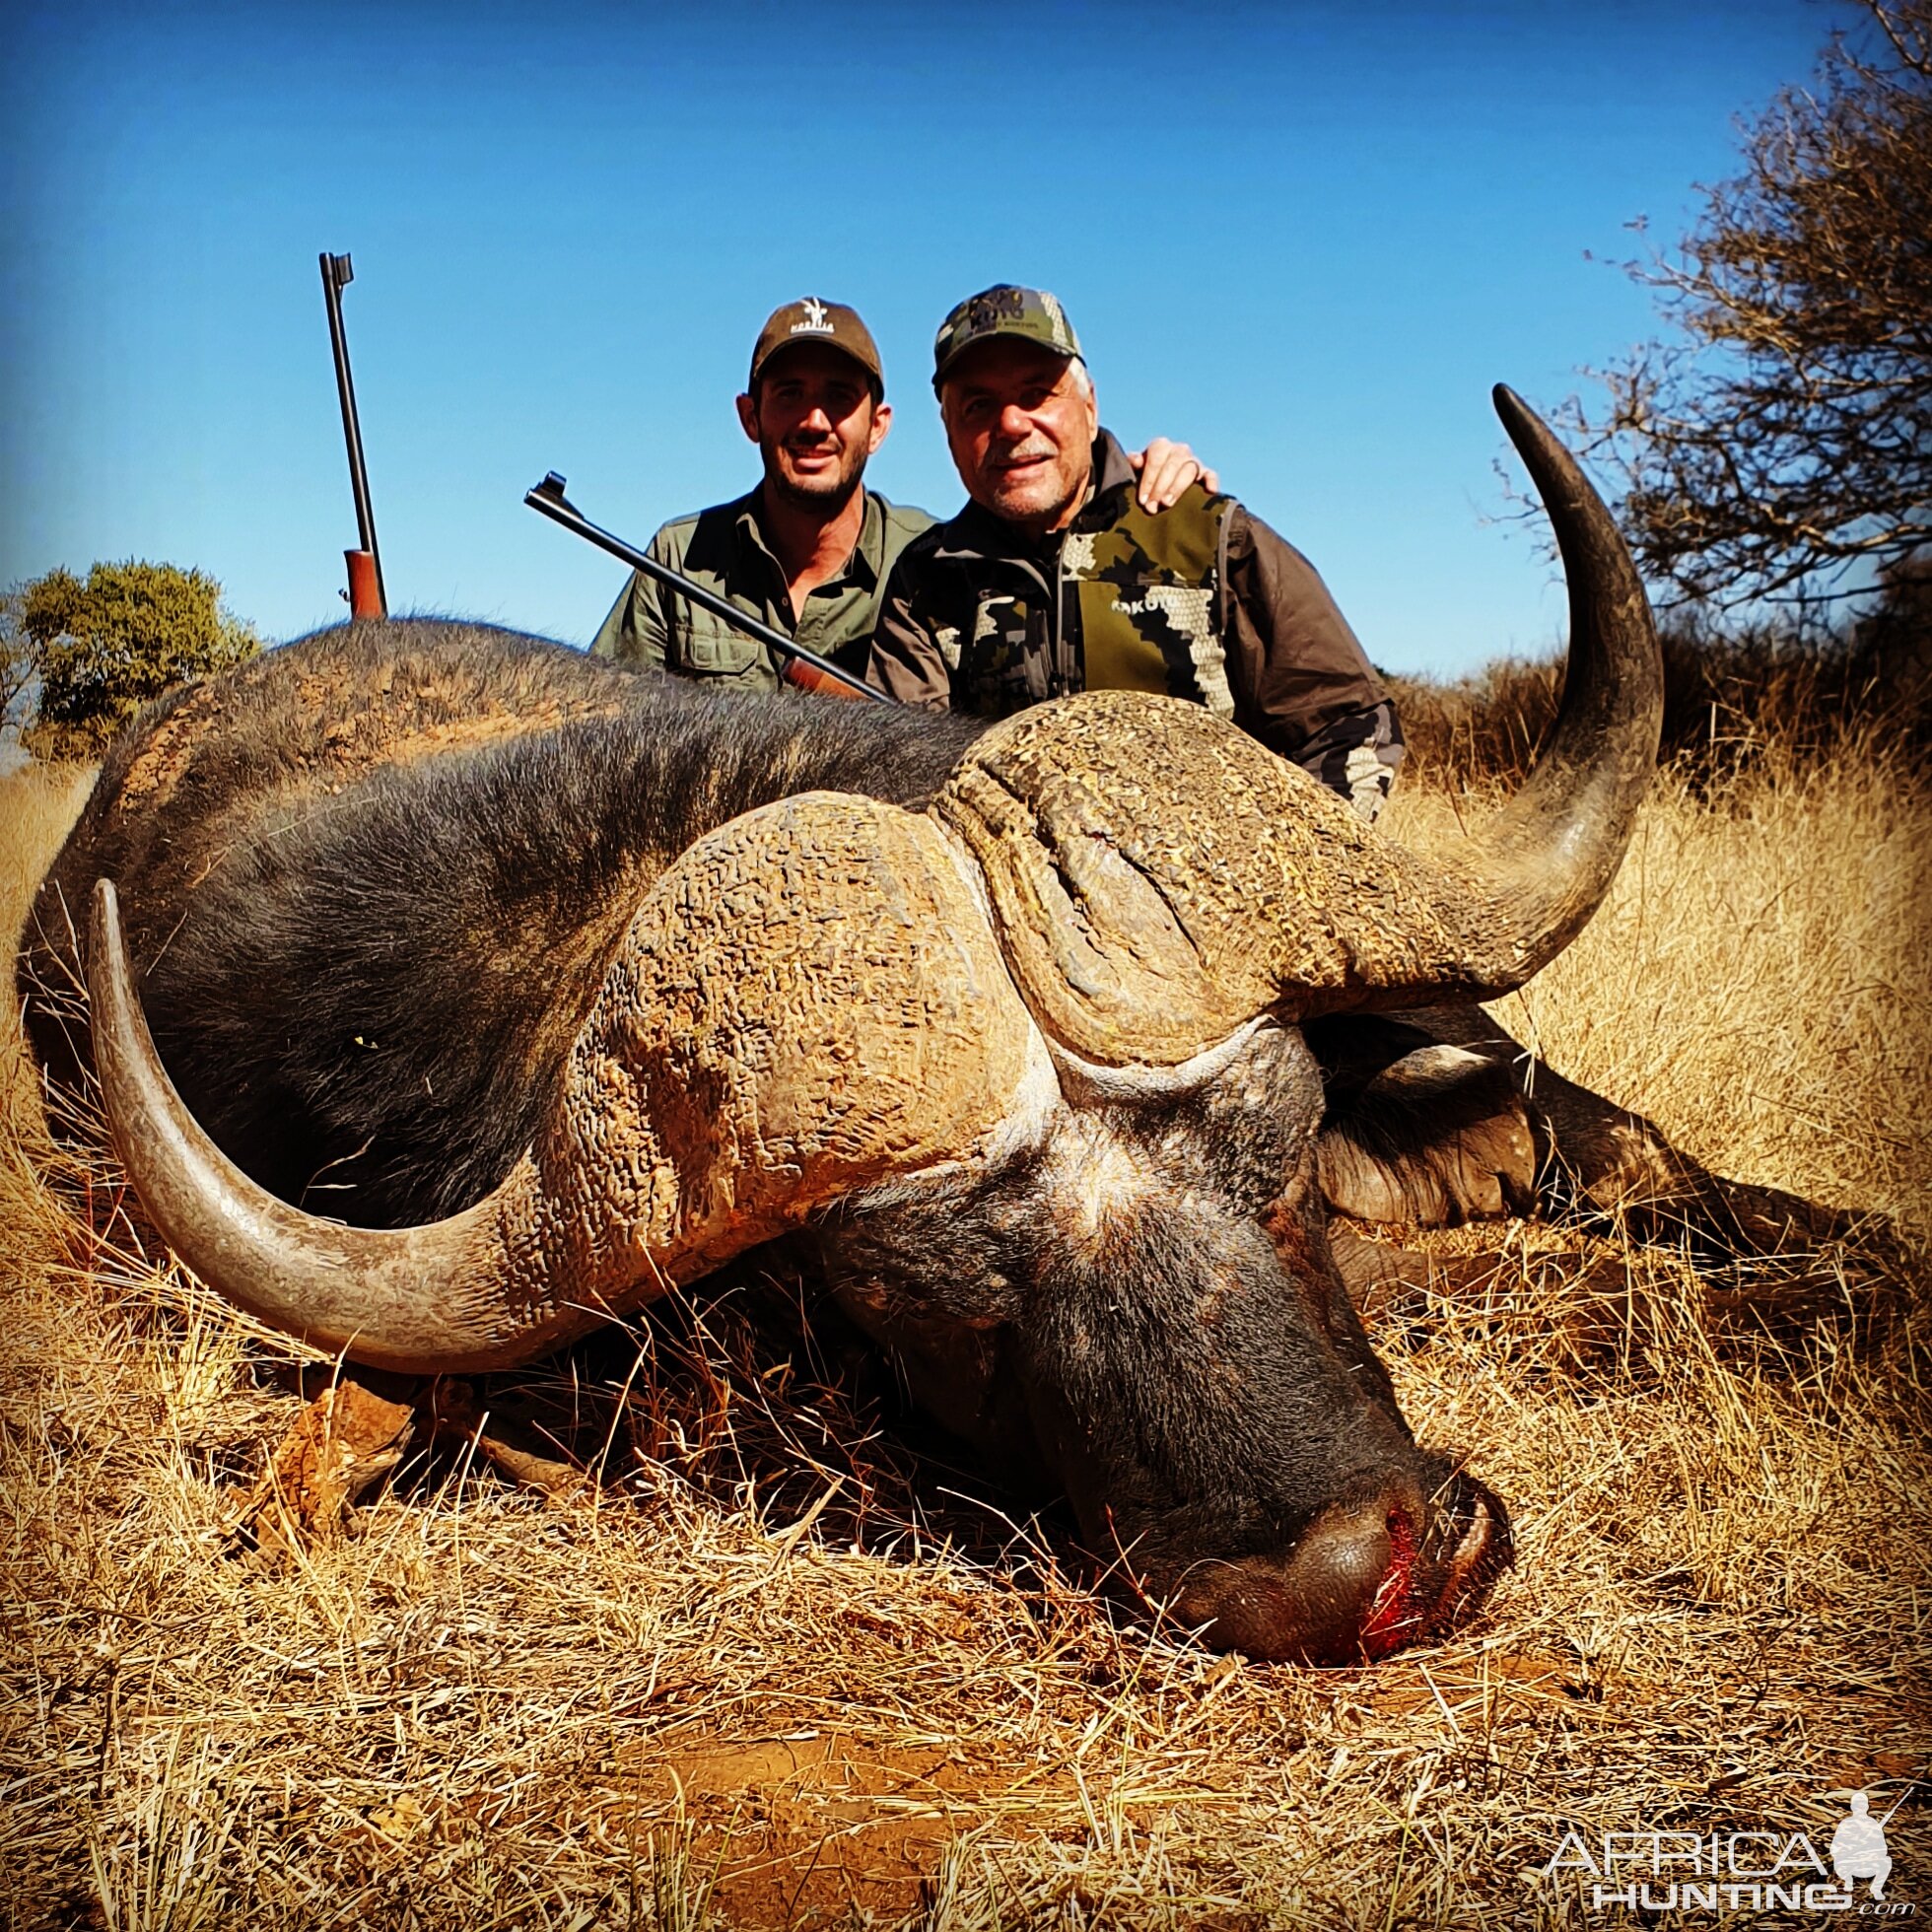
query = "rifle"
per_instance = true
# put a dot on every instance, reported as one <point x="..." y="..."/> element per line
<point x="366" y="597"/>
<point x="805" y="668"/>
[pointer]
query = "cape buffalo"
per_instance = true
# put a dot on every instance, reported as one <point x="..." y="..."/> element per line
<point x="497" y="990"/>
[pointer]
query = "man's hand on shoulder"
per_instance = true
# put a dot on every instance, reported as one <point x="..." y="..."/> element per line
<point x="1166" y="471"/>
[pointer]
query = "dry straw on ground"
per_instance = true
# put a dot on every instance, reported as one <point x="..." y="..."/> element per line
<point x="785" y="1666"/>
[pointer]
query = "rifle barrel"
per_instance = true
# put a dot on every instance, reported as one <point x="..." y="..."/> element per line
<point x="548" y="499"/>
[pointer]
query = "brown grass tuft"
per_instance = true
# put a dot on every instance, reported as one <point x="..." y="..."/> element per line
<point x="784" y="1666"/>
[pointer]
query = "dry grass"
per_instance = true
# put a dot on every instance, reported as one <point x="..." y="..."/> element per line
<point x="1750" y="703"/>
<point x="1759" y="978"/>
<point x="783" y="1666"/>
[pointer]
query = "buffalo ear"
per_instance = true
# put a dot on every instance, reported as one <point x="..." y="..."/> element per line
<point x="1417" y="1130"/>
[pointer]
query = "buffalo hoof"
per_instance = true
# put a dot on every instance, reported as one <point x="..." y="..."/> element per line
<point x="343" y="1442"/>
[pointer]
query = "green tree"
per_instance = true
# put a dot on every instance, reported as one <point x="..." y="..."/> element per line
<point x="1779" y="445"/>
<point x="103" y="647"/>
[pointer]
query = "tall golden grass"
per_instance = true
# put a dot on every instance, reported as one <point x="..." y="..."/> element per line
<point x="781" y="1666"/>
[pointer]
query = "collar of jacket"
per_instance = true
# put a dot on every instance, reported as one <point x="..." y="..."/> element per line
<point x="977" y="533"/>
<point x="863" y="566"/>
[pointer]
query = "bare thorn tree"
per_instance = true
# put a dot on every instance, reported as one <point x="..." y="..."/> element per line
<point x="17" y="669"/>
<point x="1782" y="448"/>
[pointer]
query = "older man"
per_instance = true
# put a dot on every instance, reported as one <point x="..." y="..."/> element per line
<point x="809" y="549"/>
<point x="1054" y="579"/>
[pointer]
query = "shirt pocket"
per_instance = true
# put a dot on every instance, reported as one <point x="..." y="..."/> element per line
<point x="711" y="648"/>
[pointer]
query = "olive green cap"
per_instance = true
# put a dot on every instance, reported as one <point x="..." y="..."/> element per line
<point x="809" y="319"/>
<point x="1004" y="310"/>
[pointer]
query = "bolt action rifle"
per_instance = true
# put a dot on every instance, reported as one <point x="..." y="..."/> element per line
<point x="803" y="668"/>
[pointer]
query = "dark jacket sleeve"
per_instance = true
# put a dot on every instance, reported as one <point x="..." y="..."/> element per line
<point x="906" y="661"/>
<point x="1302" y="683"/>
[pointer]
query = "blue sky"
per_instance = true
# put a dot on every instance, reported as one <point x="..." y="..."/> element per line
<point x="1306" y="238"/>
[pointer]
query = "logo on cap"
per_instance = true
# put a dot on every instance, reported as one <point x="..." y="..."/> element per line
<point x="985" y="313"/>
<point x="815" y="322"/>
<point x="1006" y="309"/>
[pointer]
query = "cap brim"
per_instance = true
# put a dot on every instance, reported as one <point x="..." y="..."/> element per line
<point x="851" y="355"/>
<point x="965" y="349"/>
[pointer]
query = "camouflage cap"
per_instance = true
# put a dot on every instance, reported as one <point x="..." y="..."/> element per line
<point x="809" y="319"/>
<point x="1004" y="310"/>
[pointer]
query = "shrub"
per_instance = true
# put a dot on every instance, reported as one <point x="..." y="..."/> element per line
<point x="102" y="647"/>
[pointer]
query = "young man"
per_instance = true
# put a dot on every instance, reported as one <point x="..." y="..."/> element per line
<point x="1054" y="579"/>
<point x="809" y="549"/>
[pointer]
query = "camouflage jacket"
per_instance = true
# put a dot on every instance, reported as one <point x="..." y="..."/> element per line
<point x="1203" y="601"/>
<point x="724" y="549"/>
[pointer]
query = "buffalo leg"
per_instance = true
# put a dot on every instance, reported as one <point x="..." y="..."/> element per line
<point x="345" y="1439"/>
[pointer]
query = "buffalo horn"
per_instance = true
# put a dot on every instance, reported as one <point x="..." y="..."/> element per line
<point x="1545" y="862"/>
<point x="808" y="1002"/>
<point x="420" y="1299"/>
<point x="1158" y="878"/>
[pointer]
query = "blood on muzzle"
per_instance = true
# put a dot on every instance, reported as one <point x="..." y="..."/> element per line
<point x="1362" y="1580"/>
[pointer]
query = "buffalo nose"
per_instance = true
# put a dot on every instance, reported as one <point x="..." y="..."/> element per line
<point x="1340" y="1593"/>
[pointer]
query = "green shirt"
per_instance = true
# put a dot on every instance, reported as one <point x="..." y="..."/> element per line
<point x="651" y="627"/>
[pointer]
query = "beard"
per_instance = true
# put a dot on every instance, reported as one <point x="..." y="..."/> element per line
<point x="829" y="490"/>
<point x="1039" y="495"/>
